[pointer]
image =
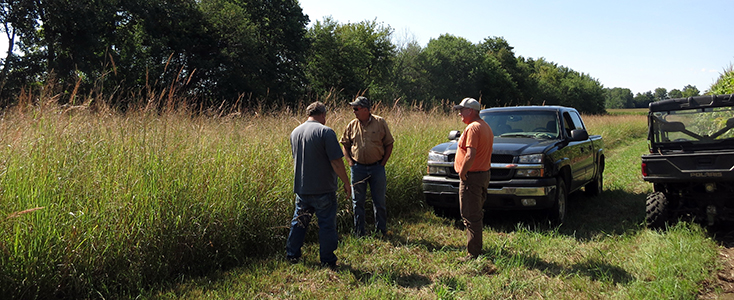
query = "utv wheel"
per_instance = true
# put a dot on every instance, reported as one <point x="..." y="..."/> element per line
<point x="596" y="186"/>
<point x="558" y="211"/>
<point x="657" y="210"/>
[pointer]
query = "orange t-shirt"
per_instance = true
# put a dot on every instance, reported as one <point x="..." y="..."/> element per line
<point x="477" y="135"/>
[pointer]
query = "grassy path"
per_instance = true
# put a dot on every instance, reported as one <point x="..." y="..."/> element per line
<point x="603" y="251"/>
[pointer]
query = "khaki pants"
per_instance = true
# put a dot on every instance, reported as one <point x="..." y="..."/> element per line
<point x="472" y="193"/>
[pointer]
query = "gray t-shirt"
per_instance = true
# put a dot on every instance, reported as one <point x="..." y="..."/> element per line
<point x="314" y="146"/>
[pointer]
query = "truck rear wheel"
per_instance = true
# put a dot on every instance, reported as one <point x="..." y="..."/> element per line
<point x="596" y="186"/>
<point x="558" y="212"/>
<point x="657" y="210"/>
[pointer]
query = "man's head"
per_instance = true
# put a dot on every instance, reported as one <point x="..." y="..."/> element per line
<point x="468" y="110"/>
<point x="361" y="106"/>
<point x="317" y="111"/>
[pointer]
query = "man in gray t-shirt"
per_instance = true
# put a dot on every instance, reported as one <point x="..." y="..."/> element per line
<point x="317" y="162"/>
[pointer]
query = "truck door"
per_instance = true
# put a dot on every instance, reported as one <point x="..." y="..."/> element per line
<point x="582" y="153"/>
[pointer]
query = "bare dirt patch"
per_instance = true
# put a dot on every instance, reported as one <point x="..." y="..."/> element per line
<point x="724" y="280"/>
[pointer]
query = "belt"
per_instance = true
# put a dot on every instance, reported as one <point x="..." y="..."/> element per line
<point x="372" y="164"/>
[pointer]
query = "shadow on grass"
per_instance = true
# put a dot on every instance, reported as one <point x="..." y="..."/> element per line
<point x="593" y="268"/>
<point x="412" y="281"/>
<point x="612" y="212"/>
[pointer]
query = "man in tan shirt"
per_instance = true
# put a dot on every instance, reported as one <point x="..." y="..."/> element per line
<point x="367" y="145"/>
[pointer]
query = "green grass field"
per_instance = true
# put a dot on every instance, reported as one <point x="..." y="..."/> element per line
<point x="180" y="206"/>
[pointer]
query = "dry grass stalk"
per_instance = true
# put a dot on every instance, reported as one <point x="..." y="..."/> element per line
<point x="20" y="213"/>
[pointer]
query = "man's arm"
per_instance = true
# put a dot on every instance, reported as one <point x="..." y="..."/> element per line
<point x="388" y="152"/>
<point x="347" y="155"/>
<point x="468" y="161"/>
<point x="338" y="166"/>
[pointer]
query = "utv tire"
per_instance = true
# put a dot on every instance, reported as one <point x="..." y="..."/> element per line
<point x="557" y="213"/>
<point x="657" y="210"/>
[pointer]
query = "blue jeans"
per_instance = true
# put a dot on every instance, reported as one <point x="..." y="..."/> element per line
<point x="324" y="206"/>
<point x="374" y="176"/>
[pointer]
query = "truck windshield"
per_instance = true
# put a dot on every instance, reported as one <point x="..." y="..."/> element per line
<point x="701" y="126"/>
<point x="523" y="124"/>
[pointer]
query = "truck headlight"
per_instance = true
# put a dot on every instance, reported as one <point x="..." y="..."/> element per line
<point x="530" y="159"/>
<point x="437" y="170"/>
<point x="529" y="173"/>
<point x="437" y="157"/>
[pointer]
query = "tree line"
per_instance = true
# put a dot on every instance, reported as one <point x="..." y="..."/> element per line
<point x="235" y="51"/>
<point x="622" y="97"/>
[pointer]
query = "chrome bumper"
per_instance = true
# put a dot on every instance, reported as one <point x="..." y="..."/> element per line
<point x="444" y="186"/>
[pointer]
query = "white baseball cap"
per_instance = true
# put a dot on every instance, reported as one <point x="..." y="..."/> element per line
<point x="469" y="103"/>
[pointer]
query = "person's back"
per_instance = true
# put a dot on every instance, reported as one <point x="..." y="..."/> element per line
<point x="310" y="145"/>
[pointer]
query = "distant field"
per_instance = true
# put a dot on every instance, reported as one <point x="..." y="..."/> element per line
<point x="627" y="111"/>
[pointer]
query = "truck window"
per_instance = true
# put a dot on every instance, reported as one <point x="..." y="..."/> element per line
<point x="568" y="123"/>
<point x="541" y="124"/>
<point x="572" y="121"/>
<point x="578" y="124"/>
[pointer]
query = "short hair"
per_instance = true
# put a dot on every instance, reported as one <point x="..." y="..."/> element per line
<point x="315" y="109"/>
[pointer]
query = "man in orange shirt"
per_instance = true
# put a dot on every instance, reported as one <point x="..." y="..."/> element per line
<point x="473" y="159"/>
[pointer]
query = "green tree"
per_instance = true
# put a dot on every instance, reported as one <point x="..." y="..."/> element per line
<point x="560" y="85"/>
<point x="661" y="94"/>
<point x="261" y="49"/>
<point x="350" y="59"/>
<point x="514" y="85"/>
<point x="207" y="49"/>
<point x="451" y="63"/>
<point x="409" y="76"/>
<point x="675" y="93"/>
<point x="18" y="17"/>
<point x="643" y="100"/>
<point x="690" y="91"/>
<point x="619" y="98"/>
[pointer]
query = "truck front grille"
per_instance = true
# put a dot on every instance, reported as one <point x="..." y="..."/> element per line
<point x="502" y="158"/>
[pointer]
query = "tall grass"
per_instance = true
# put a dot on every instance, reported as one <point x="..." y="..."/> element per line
<point x="119" y="201"/>
<point x="99" y="204"/>
<point x="134" y="199"/>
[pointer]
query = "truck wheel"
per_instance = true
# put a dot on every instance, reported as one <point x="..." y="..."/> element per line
<point x="596" y="186"/>
<point x="558" y="211"/>
<point x="657" y="210"/>
<point x="445" y="212"/>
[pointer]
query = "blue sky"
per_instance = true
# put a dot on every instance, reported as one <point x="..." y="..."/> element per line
<point x="640" y="45"/>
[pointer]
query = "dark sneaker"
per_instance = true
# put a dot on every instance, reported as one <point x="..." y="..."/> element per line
<point x="292" y="259"/>
<point x="330" y="265"/>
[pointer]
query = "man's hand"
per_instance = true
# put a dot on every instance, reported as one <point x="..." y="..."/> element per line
<point x="348" y="191"/>
<point x="338" y="166"/>
<point x="468" y="162"/>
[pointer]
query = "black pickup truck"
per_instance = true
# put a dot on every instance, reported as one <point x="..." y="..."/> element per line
<point x="540" y="155"/>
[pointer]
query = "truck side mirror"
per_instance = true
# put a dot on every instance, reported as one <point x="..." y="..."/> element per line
<point x="579" y="135"/>
<point x="454" y="135"/>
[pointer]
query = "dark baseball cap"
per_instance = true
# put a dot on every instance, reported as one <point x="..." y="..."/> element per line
<point x="361" y="101"/>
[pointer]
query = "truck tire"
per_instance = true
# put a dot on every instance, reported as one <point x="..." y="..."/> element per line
<point x="657" y="210"/>
<point x="596" y="186"/>
<point x="557" y="213"/>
